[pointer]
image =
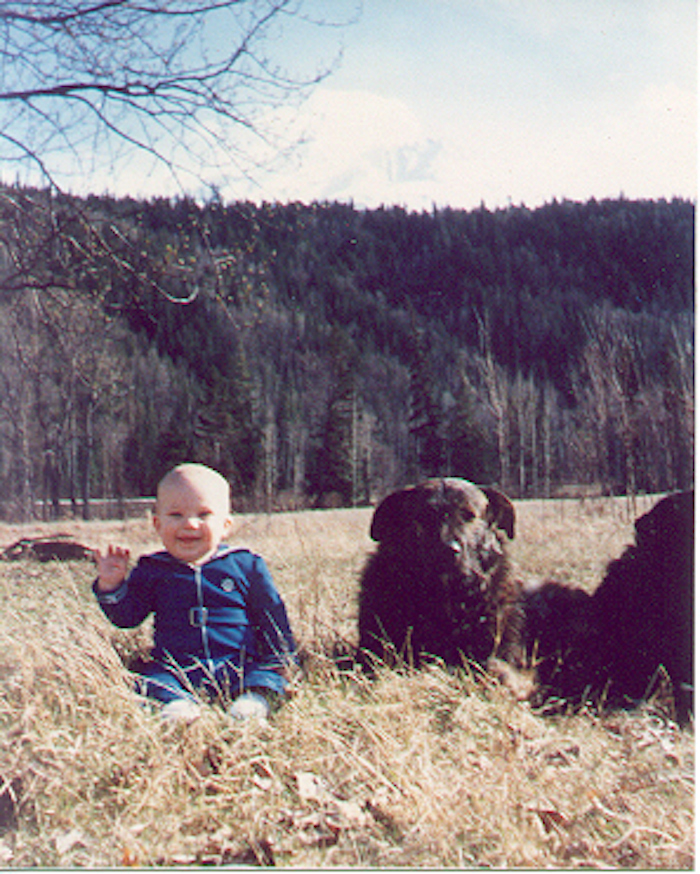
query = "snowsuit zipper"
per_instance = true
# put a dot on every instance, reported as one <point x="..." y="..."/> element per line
<point x="198" y="617"/>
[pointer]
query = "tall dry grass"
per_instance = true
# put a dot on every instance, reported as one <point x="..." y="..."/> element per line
<point x="435" y="769"/>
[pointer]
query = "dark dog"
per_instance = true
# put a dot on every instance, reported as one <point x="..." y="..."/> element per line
<point x="561" y="637"/>
<point x="613" y="648"/>
<point x="644" y="606"/>
<point x="439" y="584"/>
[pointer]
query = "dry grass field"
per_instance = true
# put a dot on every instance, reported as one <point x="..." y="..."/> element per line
<point x="429" y="769"/>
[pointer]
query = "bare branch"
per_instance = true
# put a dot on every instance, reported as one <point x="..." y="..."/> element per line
<point x="151" y="75"/>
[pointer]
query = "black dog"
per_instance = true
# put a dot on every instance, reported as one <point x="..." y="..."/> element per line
<point x="439" y="584"/>
<point x="612" y="648"/>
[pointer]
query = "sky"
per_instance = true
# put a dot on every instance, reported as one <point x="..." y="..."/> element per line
<point x="459" y="102"/>
<point x="456" y="103"/>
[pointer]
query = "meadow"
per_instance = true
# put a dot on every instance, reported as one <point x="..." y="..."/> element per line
<point x="411" y="769"/>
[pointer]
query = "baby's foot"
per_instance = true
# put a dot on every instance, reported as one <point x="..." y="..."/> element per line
<point x="181" y="709"/>
<point x="249" y="705"/>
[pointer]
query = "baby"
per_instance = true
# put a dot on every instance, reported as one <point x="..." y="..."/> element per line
<point x="220" y="625"/>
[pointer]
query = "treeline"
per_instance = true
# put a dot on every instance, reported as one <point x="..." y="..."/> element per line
<point x="323" y="354"/>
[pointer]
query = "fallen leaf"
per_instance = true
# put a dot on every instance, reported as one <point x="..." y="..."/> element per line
<point x="66" y="842"/>
<point x="129" y="859"/>
<point x="552" y="820"/>
<point x="6" y="854"/>
<point x="311" y="787"/>
<point x="351" y="812"/>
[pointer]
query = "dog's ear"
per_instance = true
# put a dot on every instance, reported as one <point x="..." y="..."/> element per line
<point x="500" y="512"/>
<point x="393" y="515"/>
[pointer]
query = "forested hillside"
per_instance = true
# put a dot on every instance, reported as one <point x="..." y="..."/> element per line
<point x="323" y="353"/>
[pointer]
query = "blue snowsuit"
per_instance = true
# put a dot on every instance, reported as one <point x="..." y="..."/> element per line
<point x="218" y="627"/>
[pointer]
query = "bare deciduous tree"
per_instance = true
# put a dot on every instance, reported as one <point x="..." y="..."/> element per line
<point x="88" y="87"/>
<point x="60" y="367"/>
<point x="189" y="84"/>
<point x="495" y="381"/>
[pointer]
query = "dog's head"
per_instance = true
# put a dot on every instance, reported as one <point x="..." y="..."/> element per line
<point x="446" y="519"/>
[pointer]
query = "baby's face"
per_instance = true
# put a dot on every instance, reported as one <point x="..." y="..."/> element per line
<point x="192" y="517"/>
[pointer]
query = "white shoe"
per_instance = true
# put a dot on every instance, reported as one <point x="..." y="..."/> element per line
<point x="181" y="709"/>
<point x="249" y="705"/>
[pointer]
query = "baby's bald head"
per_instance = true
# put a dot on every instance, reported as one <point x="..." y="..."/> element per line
<point x="200" y="478"/>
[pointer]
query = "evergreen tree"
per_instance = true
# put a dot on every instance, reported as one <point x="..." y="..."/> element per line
<point x="331" y="468"/>
<point x="471" y="451"/>
<point x="426" y="420"/>
<point x="225" y="434"/>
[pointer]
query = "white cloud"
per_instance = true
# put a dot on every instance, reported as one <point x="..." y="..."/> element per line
<point x="568" y="99"/>
<point x="644" y="149"/>
<point x="653" y="144"/>
<point x="359" y="145"/>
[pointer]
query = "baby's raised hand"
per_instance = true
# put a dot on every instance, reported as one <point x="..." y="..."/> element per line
<point x="111" y="568"/>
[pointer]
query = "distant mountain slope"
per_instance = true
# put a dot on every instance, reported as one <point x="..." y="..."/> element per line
<point x="316" y="349"/>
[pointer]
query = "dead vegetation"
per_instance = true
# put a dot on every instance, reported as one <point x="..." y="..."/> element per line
<point x="413" y="769"/>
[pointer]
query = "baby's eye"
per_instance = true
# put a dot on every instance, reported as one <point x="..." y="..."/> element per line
<point x="205" y="514"/>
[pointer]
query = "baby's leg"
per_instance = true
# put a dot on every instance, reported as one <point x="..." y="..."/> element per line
<point x="173" y="687"/>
